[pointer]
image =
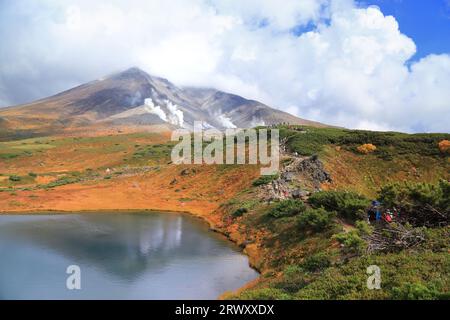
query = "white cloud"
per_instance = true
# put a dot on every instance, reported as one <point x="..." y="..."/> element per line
<point x="350" y="70"/>
<point x="279" y="15"/>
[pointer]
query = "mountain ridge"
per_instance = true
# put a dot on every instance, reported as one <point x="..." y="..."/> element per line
<point x="134" y="97"/>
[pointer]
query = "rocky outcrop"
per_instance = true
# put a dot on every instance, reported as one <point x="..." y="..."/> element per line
<point x="298" y="172"/>
<point x="313" y="169"/>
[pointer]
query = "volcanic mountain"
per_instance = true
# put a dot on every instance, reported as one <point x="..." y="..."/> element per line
<point x="135" y="98"/>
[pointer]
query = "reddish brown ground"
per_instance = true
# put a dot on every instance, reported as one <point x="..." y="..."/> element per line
<point x="199" y="193"/>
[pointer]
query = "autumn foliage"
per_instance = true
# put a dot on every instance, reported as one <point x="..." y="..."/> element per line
<point x="444" y="146"/>
<point x="366" y="148"/>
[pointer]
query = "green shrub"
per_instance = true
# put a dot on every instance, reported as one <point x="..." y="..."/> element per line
<point x="384" y="155"/>
<point x="287" y="208"/>
<point x="348" y="205"/>
<point x="394" y="143"/>
<point x="352" y="242"/>
<point x="264" y="180"/>
<point x="347" y="281"/>
<point x="292" y="270"/>
<point x="317" y="262"/>
<point x="419" y="203"/>
<point x="414" y="291"/>
<point x="15" y="178"/>
<point x="265" y="294"/>
<point x="291" y="285"/>
<point x="315" y="219"/>
<point x="61" y="182"/>
<point x="32" y="174"/>
<point x="239" y="212"/>
<point x="9" y="155"/>
<point x="308" y="141"/>
<point x="293" y="279"/>
<point x="364" y="229"/>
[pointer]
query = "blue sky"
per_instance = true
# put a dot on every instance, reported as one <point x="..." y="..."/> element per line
<point x="427" y="22"/>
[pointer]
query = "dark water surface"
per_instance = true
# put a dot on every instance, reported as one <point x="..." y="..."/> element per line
<point x="121" y="256"/>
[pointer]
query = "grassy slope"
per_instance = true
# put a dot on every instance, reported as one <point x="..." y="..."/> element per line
<point x="398" y="157"/>
<point x="71" y="173"/>
<point x="282" y="248"/>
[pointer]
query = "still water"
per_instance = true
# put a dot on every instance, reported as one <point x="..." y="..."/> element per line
<point x="121" y="256"/>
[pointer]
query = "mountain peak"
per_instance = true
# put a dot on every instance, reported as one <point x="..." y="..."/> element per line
<point x="131" y="73"/>
<point x="134" y="97"/>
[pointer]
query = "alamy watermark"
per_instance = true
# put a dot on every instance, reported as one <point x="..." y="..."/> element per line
<point x="73" y="281"/>
<point x="374" y="279"/>
<point x="234" y="146"/>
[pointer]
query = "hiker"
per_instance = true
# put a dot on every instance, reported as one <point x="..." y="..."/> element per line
<point x="387" y="216"/>
<point x="374" y="211"/>
<point x="371" y="214"/>
<point x="378" y="215"/>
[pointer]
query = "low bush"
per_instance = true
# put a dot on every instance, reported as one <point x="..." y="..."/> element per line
<point x="348" y="205"/>
<point x="421" y="204"/>
<point x="309" y="141"/>
<point x="444" y="146"/>
<point x="7" y="156"/>
<point x="414" y="291"/>
<point x="384" y="155"/>
<point x="395" y="143"/>
<point x="347" y="281"/>
<point x="317" y="262"/>
<point x="61" y="182"/>
<point x="15" y="178"/>
<point x="352" y="242"/>
<point x="315" y="220"/>
<point x="265" y="294"/>
<point x="364" y="229"/>
<point x="287" y="208"/>
<point x="239" y="212"/>
<point x="293" y="279"/>
<point x="262" y="180"/>
<point x="366" y="148"/>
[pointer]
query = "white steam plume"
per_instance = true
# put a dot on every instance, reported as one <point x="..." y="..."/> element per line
<point x="151" y="108"/>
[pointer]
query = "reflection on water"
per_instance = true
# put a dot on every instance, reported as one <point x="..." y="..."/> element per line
<point x="122" y="256"/>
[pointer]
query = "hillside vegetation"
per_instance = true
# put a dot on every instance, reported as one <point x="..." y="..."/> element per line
<point x="311" y="253"/>
<point x="320" y="248"/>
<point x="314" y="246"/>
<point x="397" y="156"/>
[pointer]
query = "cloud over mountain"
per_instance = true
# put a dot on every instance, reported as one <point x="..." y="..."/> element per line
<point x="326" y="60"/>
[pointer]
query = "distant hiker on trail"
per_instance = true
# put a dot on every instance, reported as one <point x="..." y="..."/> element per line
<point x="377" y="213"/>
<point x="387" y="216"/>
<point x="374" y="211"/>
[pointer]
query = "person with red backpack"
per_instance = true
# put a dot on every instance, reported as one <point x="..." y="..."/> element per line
<point x="387" y="216"/>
